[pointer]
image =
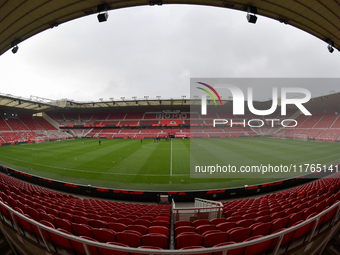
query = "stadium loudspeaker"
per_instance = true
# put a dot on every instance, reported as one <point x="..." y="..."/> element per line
<point x="102" y="17"/>
<point x="251" y="18"/>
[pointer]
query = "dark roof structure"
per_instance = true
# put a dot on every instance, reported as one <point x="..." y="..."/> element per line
<point x="21" y="19"/>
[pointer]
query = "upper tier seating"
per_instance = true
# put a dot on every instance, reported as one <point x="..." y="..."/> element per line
<point x="16" y="124"/>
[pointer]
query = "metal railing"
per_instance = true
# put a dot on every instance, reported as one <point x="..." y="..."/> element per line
<point x="204" y="209"/>
<point x="199" y="202"/>
<point x="223" y="249"/>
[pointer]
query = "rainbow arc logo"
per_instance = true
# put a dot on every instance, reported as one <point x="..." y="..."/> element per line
<point x="209" y="93"/>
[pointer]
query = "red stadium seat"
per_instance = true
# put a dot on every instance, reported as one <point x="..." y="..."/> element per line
<point x="140" y="228"/>
<point x="104" y="235"/>
<point x="245" y="223"/>
<point x="109" y="219"/>
<point x="159" y="229"/>
<point x="34" y="214"/>
<point x="25" y="225"/>
<point x="211" y="231"/>
<point x="103" y="251"/>
<point x="146" y="217"/>
<point x="97" y="223"/>
<point x="258" y="248"/>
<point x="197" y="223"/>
<point x="143" y="222"/>
<point x="275" y="209"/>
<point x="79" y="247"/>
<point x="188" y="239"/>
<point x="234" y="218"/>
<point x="277" y="215"/>
<point x="155" y="239"/>
<point x="82" y="230"/>
<point x="279" y="224"/>
<point x="162" y="218"/>
<point x="48" y="224"/>
<point x="93" y="216"/>
<point x="226" y="226"/>
<point x="117" y="227"/>
<point x="66" y="216"/>
<point x="238" y="251"/>
<point x="328" y="216"/>
<point x="132" y="217"/>
<point x="263" y="219"/>
<point x="301" y="207"/>
<point x="203" y="228"/>
<point x="23" y="207"/>
<point x="182" y="229"/>
<point x="262" y="229"/>
<point x="290" y="211"/>
<point x="295" y="217"/>
<point x="302" y="231"/>
<point x="63" y="224"/>
<point x="307" y="212"/>
<point x="161" y="223"/>
<point x="319" y="206"/>
<point x="263" y="213"/>
<point x="47" y="217"/>
<point x="217" y="221"/>
<point x="129" y="239"/>
<point x="286" y="238"/>
<point x="80" y="213"/>
<point x="239" y="234"/>
<point x="61" y="241"/>
<point x="54" y="212"/>
<point x="80" y="219"/>
<point x="125" y="221"/>
<point x="213" y="239"/>
<point x="239" y="213"/>
<point x="249" y="216"/>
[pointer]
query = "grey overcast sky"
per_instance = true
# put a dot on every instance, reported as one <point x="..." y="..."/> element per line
<point x="154" y="51"/>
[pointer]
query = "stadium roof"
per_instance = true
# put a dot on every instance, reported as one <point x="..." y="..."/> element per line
<point x="19" y="20"/>
<point x="10" y="103"/>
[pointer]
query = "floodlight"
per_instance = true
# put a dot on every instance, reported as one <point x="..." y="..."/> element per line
<point x="330" y="48"/>
<point x="330" y="45"/>
<point x="102" y="17"/>
<point x="103" y="14"/>
<point x="251" y="18"/>
<point x="15" y="49"/>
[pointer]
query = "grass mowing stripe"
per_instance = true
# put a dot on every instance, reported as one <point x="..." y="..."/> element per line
<point x="146" y="166"/>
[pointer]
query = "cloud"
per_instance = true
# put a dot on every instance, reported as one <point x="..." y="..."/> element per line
<point x="156" y="50"/>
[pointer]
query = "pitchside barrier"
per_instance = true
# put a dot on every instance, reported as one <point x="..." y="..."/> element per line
<point x="155" y="196"/>
<point x="88" y="245"/>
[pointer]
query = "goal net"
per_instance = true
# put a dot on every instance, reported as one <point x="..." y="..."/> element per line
<point x="303" y="137"/>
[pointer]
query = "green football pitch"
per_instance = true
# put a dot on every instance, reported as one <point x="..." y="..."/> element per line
<point x="130" y="164"/>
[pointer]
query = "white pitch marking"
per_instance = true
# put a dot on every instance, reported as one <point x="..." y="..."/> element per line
<point x="171" y="159"/>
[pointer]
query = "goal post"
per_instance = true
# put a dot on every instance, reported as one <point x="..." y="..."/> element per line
<point x="302" y="137"/>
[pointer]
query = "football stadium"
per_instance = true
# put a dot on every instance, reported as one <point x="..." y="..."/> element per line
<point x="214" y="173"/>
